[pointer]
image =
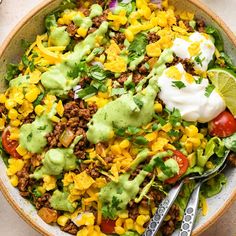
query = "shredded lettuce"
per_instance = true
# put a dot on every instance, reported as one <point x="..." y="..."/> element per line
<point x="219" y="43"/>
<point x="214" y="146"/>
<point x="230" y="142"/>
<point x="182" y="199"/>
<point x="213" y="186"/>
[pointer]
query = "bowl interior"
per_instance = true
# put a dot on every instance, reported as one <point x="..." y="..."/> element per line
<point x="11" y="52"/>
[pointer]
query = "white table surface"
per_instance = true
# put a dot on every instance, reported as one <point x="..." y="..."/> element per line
<point x="11" y="11"/>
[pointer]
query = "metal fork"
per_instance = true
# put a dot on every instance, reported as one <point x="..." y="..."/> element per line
<point x="167" y="202"/>
<point x="192" y="207"/>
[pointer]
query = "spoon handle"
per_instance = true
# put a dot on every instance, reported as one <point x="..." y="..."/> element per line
<point x="162" y="211"/>
<point x="190" y="213"/>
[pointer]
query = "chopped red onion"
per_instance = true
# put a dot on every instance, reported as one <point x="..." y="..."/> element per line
<point x="76" y="89"/>
<point x="157" y="2"/>
<point x="113" y="4"/>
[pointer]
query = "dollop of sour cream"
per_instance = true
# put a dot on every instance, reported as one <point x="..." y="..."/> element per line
<point x="190" y="99"/>
<point x="198" y="47"/>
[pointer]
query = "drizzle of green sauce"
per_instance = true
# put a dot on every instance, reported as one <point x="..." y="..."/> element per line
<point x="59" y="201"/>
<point x="86" y="22"/>
<point x="56" y="160"/>
<point x="33" y="135"/>
<point x="56" y="80"/>
<point x="125" y="190"/>
<point x="124" y="111"/>
<point x="59" y="36"/>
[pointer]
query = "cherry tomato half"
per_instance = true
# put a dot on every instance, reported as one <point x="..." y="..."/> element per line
<point x="108" y="226"/>
<point x="183" y="166"/>
<point x="223" y="125"/>
<point x="10" y="145"/>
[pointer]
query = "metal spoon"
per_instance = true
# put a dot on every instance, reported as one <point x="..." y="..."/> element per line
<point x="167" y="202"/>
<point x="192" y="207"/>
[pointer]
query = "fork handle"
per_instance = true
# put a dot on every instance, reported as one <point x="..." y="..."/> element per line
<point x="190" y="213"/>
<point x="162" y="210"/>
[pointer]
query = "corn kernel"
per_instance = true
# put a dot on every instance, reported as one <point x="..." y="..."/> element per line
<point x="82" y="32"/>
<point x="158" y="107"/>
<point x="2" y="123"/>
<point x="119" y="222"/>
<point x="195" y="141"/>
<point x="14" y="180"/>
<point x="119" y="230"/>
<point x="139" y="228"/>
<point x="32" y="95"/>
<point x="124" y="215"/>
<point x="129" y="35"/>
<point x="15" y="165"/>
<point x="142" y="219"/>
<point x="209" y="165"/>
<point x="2" y="98"/>
<point x="21" y="150"/>
<point x="167" y="218"/>
<point x="124" y="144"/>
<point x="167" y="127"/>
<point x="151" y="136"/>
<point x="15" y="132"/>
<point x="62" y="220"/>
<point x="129" y="224"/>
<point x="191" y="130"/>
<point x="55" y="119"/>
<point x="60" y="108"/>
<point x="9" y="104"/>
<point x="116" y="149"/>
<point x="15" y="123"/>
<point x="153" y="50"/>
<point x="143" y="210"/>
<point x="27" y="156"/>
<point x="39" y="109"/>
<point x="189" y="147"/>
<point x="12" y="114"/>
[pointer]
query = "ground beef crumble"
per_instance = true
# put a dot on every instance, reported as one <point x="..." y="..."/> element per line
<point x="187" y="64"/>
<point x="70" y="228"/>
<point x="97" y="21"/>
<point x="77" y="115"/>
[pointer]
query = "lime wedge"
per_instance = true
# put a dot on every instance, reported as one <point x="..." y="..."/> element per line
<point x="225" y="82"/>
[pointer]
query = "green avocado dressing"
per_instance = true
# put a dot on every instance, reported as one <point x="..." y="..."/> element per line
<point x="56" y="160"/>
<point x="173" y="165"/>
<point x="59" y="201"/>
<point x="125" y="190"/>
<point x="20" y="80"/>
<point x="56" y="79"/>
<point x="33" y="135"/>
<point x="86" y="22"/>
<point x="124" y="111"/>
<point x="59" y="36"/>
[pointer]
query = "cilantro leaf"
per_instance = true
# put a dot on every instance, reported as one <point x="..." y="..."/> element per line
<point x="219" y="43"/>
<point x="138" y="102"/>
<point x="209" y="89"/>
<point x="78" y="70"/>
<point x="110" y="210"/>
<point x="137" y="47"/>
<point x="178" y="84"/>
<point x="88" y="91"/>
<point x="97" y="73"/>
<point x="199" y="60"/>
<point x="133" y="130"/>
<point x="175" y="117"/>
<point x="12" y="71"/>
<point x="39" y="99"/>
<point x="199" y="80"/>
<point x="28" y="63"/>
<point x="140" y="140"/>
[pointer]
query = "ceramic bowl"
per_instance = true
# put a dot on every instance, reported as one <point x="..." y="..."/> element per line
<point x="10" y="51"/>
